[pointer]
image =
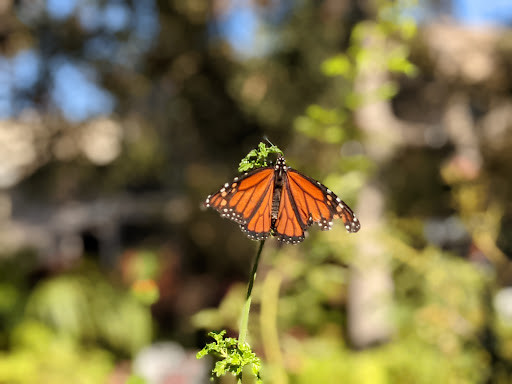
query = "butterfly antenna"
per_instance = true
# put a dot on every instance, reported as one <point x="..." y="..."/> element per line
<point x="266" y="138"/>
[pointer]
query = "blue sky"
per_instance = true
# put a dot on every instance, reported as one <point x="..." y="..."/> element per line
<point x="483" y="12"/>
<point x="75" y="87"/>
<point x="241" y="23"/>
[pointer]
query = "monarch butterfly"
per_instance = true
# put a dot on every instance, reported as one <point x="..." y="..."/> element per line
<point x="280" y="201"/>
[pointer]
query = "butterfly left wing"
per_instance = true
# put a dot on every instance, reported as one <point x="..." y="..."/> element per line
<point x="247" y="201"/>
<point x="315" y="203"/>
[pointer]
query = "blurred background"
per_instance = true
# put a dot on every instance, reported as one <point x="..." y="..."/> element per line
<point x="119" y="117"/>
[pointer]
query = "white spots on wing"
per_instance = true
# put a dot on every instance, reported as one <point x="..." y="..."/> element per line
<point x="355" y="225"/>
<point x="253" y="235"/>
<point x="290" y="240"/>
<point x="230" y="213"/>
<point x="325" y="225"/>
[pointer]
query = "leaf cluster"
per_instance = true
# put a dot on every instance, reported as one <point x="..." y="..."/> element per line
<point x="234" y="356"/>
<point x="257" y="158"/>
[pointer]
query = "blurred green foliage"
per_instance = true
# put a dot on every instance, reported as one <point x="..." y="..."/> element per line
<point x="441" y="313"/>
<point x="372" y="45"/>
<point x="89" y="308"/>
<point x="39" y="354"/>
<point x="71" y="327"/>
<point x="187" y="106"/>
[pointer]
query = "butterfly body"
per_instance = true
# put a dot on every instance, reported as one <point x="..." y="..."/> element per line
<point x="279" y="200"/>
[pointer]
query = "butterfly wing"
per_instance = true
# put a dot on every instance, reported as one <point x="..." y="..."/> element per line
<point x="247" y="201"/>
<point x="305" y="201"/>
<point x="289" y="226"/>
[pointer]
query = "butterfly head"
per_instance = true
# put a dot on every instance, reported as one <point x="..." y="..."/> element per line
<point x="280" y="163"/>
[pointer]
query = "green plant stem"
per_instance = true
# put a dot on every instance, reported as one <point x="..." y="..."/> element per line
<point x="244" y="321"/>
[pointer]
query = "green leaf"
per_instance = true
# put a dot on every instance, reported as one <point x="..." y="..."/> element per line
<point x="134" y="379"/>
<point x="409" y="28"/>
<point x="387" y="91"/>
<point x="338" y="65"/>
<point x="233" y="356"/>
<point x="257" y="158"/>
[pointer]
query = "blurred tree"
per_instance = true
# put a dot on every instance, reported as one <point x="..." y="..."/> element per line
<point x="120" y="116"/>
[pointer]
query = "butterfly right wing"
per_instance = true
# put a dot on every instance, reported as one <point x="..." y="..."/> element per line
<point x="247" y="201"/>
<point x="289" y="226"/>
<point x="315" y="203"/>
<point x="305" y="201"/>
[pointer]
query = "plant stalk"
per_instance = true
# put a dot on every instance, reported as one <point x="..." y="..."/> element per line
<point x="244" y="320"/>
